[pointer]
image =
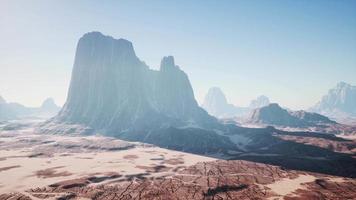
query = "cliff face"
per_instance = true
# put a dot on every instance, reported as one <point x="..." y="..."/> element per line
<point x="112" y="89"/>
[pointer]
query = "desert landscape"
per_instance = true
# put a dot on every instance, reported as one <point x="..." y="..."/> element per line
<point x="177" y="100"/>
<point x="151" y="143"/>
<point x="155" y="144"/>
<point x="37" y="166"/>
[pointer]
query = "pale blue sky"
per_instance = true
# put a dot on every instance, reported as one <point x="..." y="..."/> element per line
<point x="291" y="51"/>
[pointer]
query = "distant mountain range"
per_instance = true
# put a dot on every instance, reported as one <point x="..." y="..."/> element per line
<point x="11" y="111"/>
<point x="215" y="104"/>
<point x="339" y="103"/>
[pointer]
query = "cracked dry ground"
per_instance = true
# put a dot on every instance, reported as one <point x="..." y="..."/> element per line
<point x="206" y="180"/>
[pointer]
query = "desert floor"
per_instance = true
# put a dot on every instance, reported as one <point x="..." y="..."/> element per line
<point x="35" y="166"/>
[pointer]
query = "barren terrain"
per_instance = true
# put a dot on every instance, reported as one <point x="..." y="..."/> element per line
<point x="35" y="166"/>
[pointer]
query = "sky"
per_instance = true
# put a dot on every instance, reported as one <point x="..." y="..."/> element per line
<point x="291" y="51"/>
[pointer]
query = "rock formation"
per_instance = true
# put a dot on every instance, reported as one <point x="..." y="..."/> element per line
<point x="48" y="108"/>
<point x="112" y="90"/>
<point x="216" y="104"/>
<point x="313" y="118"/>
<point x="49" y="105"/>
<point x="273" y="114"/>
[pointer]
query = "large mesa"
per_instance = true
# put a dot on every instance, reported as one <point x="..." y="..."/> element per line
<point x="111" y="89"/>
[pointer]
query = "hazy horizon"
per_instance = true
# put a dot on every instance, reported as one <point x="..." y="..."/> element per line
<point x="292" y="52"/>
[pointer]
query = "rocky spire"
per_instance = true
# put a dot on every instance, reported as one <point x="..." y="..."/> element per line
<point x="215" y="102"/>
<point x="167" y="63"/>
<point x="175" y="92"/>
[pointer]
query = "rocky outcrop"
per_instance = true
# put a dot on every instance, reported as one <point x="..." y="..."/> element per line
<point x="340" y="102"/>
<point x="313" y="118"/>
<point x="273" y="114"/>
